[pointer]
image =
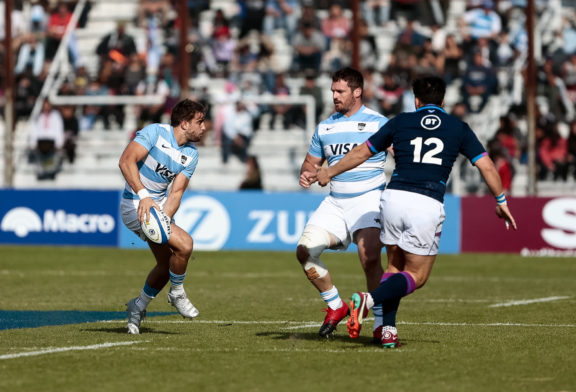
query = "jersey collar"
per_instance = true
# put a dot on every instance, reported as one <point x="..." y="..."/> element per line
<point x="431" y="107"/>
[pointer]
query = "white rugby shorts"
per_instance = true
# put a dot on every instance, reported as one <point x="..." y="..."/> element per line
<point x="344" y="216"/>
<point x="129" y="213"/>
<point x="412" y="221"/>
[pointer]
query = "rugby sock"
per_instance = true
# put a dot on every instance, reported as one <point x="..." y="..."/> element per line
<point x="148" y="293"/>
<point x="177" y="283"/>
<point x="332" y="298"/>
<point x="389" y="310"/>
<point x="377" y="309"/>
<point x="395" y="286"/>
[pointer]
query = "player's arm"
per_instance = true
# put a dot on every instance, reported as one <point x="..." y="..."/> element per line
<point x="175" y="196"/>
<point x="308" y="170"/>
<point x="134" y="153"/>
<point x="494" y="183"/>
<point x="356" y="156"/>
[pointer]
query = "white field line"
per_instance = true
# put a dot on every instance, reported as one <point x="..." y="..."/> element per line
<point x="63" y="349"/>
<point x="315" y="324"/>
<point x="527" y="301"/>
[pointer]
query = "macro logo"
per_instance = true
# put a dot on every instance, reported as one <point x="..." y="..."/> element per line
<point x="206" y="220"/>
<point x="21" y="220"/>
<point x="430" y="122"/>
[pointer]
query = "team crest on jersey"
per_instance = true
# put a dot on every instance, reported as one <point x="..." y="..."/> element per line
<point x="430" y="122"/>
<point x="183" y="159"/>
<point x="361" y="126"/>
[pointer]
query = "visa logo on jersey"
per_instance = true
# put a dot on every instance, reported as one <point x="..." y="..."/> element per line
<point x="340" y="149"/>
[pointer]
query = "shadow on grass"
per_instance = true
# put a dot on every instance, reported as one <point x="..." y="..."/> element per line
<point x="364" y="341"/>
<point x="122" y="330"/>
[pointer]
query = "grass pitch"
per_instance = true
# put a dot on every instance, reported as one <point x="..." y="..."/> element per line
<point x="481" y="323"/>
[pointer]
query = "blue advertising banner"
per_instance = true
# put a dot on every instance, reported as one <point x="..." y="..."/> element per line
<point x="253" y="220"/>
<point x="59" y="217"/>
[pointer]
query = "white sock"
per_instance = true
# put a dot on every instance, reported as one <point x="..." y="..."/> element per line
<point x="142" y="301"/>
<point x="332" y="298"/>
<point x="369" y="301"/>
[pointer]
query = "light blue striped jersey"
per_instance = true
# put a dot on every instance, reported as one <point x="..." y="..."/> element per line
<point x="164" y="161"/>
<point x="337" y="135"/>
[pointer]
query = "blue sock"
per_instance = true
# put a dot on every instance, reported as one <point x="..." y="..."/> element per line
<point x="396" y="286"/>
<point x="150" y="291"/>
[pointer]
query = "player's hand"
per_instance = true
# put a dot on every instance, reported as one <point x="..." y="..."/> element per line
<point x="144" y="209"/>
<point x="322" y="175"/>
<point x="504" y="213"/>
<point x="307" y="178"/>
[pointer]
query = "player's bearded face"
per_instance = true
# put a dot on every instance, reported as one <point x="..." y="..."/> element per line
<point x="342" y="96"/>
<point x="196" y="128"/>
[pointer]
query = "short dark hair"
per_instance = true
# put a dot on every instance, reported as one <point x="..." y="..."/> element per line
<point x="352" y="77"/>
<point x="429" y="89"/>
<point x="185" y="110"/>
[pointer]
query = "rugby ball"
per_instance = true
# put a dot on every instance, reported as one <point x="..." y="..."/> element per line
<point x="158" y="228"/>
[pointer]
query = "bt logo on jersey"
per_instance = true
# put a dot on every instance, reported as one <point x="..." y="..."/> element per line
<point x="430" y="122"/>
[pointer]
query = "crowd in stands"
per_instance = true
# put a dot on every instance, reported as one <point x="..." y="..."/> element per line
<point x="479" y="58"/>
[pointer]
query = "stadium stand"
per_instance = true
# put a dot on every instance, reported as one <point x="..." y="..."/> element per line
<point x="280" y="150"/>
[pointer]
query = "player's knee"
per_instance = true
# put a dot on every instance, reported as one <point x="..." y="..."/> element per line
<point x="302" y="254"/>
<point x="184" y="246"/>
<point x="311" y="245"/>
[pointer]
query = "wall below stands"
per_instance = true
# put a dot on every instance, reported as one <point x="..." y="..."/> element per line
<point x="255" y="220"/>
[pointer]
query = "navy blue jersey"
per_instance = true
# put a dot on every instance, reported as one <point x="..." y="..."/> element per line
<point x="426" y="144"/>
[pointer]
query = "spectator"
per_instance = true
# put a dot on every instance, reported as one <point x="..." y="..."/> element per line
<point x="390" y="94"/>
<point x="282" y="14"/>
<point x="237" y="133"/>
<point x="134" y="74"/>
<point x="56" y="29"/>
<point x="478" y="81"/>
<point x="309" y="15"/>
<point x="71" y="129"/>
<point x="405" y="9"/>
<point x="223" y="49"/>
<point x="375" y="12"/>
<point x="46" y="139"/>
<point x="502" y="163"/>
<point x="287" y="114"/>
<point x="552" y="151"/>
<point x="152" y="16"/>
<point x="336" y="25"/>
<point x="253" y="178"/>
<point x="308" y="45"/>
<point x="482" y="22"/>
<point x="252" y="16"/>
<point x="30" y="56"/>
<point x="27" y="90"/>
<point x="311" y="88"/>
<point x="116" y="46"/>
<point x="452" y="56"/>
<point x="409" y="42"/>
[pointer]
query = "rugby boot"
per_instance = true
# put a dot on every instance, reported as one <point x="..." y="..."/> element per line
<point x="183" y="305"/>
<point x="390" y="337"/>
<point x="333" y="317"/>
<point x="135" y="317"/>
<point x="358" y="311"/>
